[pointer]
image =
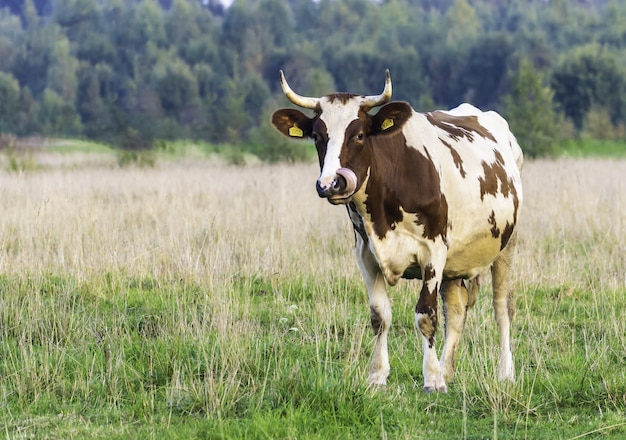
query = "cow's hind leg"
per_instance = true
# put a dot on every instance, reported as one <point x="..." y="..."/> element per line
<point x="455" y="306"/>
<point x="504" y="308"/>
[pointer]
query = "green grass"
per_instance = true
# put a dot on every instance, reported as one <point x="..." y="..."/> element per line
<point x="594" y="148"/>
<point x="67" y="146"/>
<point x="122" y="357"/>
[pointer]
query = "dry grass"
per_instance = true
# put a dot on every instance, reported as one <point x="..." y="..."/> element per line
<point x="198" y="220"/>
<point x="573" y="224"/>
<point x="209" y="221"/>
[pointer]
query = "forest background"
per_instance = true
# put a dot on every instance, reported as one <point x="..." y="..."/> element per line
<point x="137" y="73"/>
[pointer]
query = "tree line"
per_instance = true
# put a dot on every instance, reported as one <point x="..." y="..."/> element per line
<point x="130" y="72"/>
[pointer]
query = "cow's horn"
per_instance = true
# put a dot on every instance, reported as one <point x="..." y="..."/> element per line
<point x="300" y="101"/>
<point x="376" y="100"/>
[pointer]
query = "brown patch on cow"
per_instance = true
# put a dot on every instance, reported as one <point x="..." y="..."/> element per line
<point x="495" y="178"/>
<point x="402" y="177"/>
<point x="427" y="306"/>
<point x="456" y="157"/>
<point x="398" y="112"/>
<point x="513" y="190"/>
<point x="459" y="126"/>
<point x="510" y="305"/>
<point x="495" y="232"/>
<point x="286" y="118"/>
<point x="319" y="127"/>
<point x="376" y="320"/>
<point x="432" y="219"/>
<point x="506" y="235"/>
<point x="344" y="98"/>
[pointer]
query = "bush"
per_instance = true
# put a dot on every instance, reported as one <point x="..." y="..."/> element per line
<point x="140" y="158"/>
<point x="597" y="125"/>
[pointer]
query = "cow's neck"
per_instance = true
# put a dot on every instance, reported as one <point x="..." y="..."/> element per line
<point x="401" y="179"/>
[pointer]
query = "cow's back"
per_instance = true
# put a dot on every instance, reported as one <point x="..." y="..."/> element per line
<point x="497" y="125"/>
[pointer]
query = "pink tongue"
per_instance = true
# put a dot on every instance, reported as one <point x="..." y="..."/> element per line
<point x="351" y="180"/>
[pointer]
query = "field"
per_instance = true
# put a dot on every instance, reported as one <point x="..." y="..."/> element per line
<point x="198" y="300"/>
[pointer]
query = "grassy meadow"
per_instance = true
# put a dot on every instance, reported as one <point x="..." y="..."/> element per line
<point x="194" y="299"/>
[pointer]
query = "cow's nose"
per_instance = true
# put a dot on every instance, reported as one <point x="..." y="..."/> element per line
<point x="336" y="186"/>
<point x="319" y="188"/>
<point x="324" y="190"/>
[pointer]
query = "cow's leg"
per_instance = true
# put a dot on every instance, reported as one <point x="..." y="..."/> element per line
<point x="504" y="308"/>
<point x="426" y="321"/>
<point x="455" y="305"/>
<point x="380" y="312"/>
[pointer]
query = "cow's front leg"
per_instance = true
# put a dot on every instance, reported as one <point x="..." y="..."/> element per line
<point x="380" y="312"/>
<point x="426" y="321"/>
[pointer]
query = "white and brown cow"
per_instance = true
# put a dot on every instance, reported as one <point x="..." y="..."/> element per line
<point x="434" y="196"/>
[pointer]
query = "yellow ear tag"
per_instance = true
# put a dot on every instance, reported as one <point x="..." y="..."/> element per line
<point x="387" y="123"/>
<point x="296" y="131"/>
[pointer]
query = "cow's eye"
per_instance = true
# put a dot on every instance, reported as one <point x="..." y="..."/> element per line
<point x="360" y="136"/>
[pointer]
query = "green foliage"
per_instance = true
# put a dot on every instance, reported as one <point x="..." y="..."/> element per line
<point x="530" y="112"/>
<point x="19" y="160"/>
<point x="9" y="96"/>
<point x="590" y="76"/>
<point x="140" y="158"/>
<point x="611" y="149"/>
<point x="57" y="117"/>
<point x="599" y="125"/>
<point x="175" y="85"/>
<point x="191" y="69"/>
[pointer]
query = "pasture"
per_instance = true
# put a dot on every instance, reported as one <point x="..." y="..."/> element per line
<point x="199" y="300"/>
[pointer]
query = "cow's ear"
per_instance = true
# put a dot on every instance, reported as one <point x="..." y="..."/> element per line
<point x="391" y="117"/>
<point x="292" y="123"/>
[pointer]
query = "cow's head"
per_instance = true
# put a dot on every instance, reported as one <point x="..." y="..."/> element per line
<point x="343" y="132"/>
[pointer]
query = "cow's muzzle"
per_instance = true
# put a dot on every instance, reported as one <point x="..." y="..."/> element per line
<point x="340" y="189"/>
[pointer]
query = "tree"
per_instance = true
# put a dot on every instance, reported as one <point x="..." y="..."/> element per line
<point x="10" y="32"/>
<point x="590" y="75"/>
<point x="175" y="84"/>
<point x="530" y="111"/>
<point x="484" y="70"/>
<point x="180" y="23"/>
<point x="96" y="98"/>
<point x="462" y="24"/>
<point x="26" y="114"/>
<point x="9" y="98"/>
<point x="62" y="71"/>
<point x="33" y="57"/>
<point x="58" y="117"/>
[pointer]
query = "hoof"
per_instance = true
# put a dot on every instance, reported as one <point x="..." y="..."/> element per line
<point x="378" y="379"/>
<point x="443" y="389"/>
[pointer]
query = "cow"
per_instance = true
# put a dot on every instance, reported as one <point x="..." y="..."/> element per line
<point x="434" y="196"/>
